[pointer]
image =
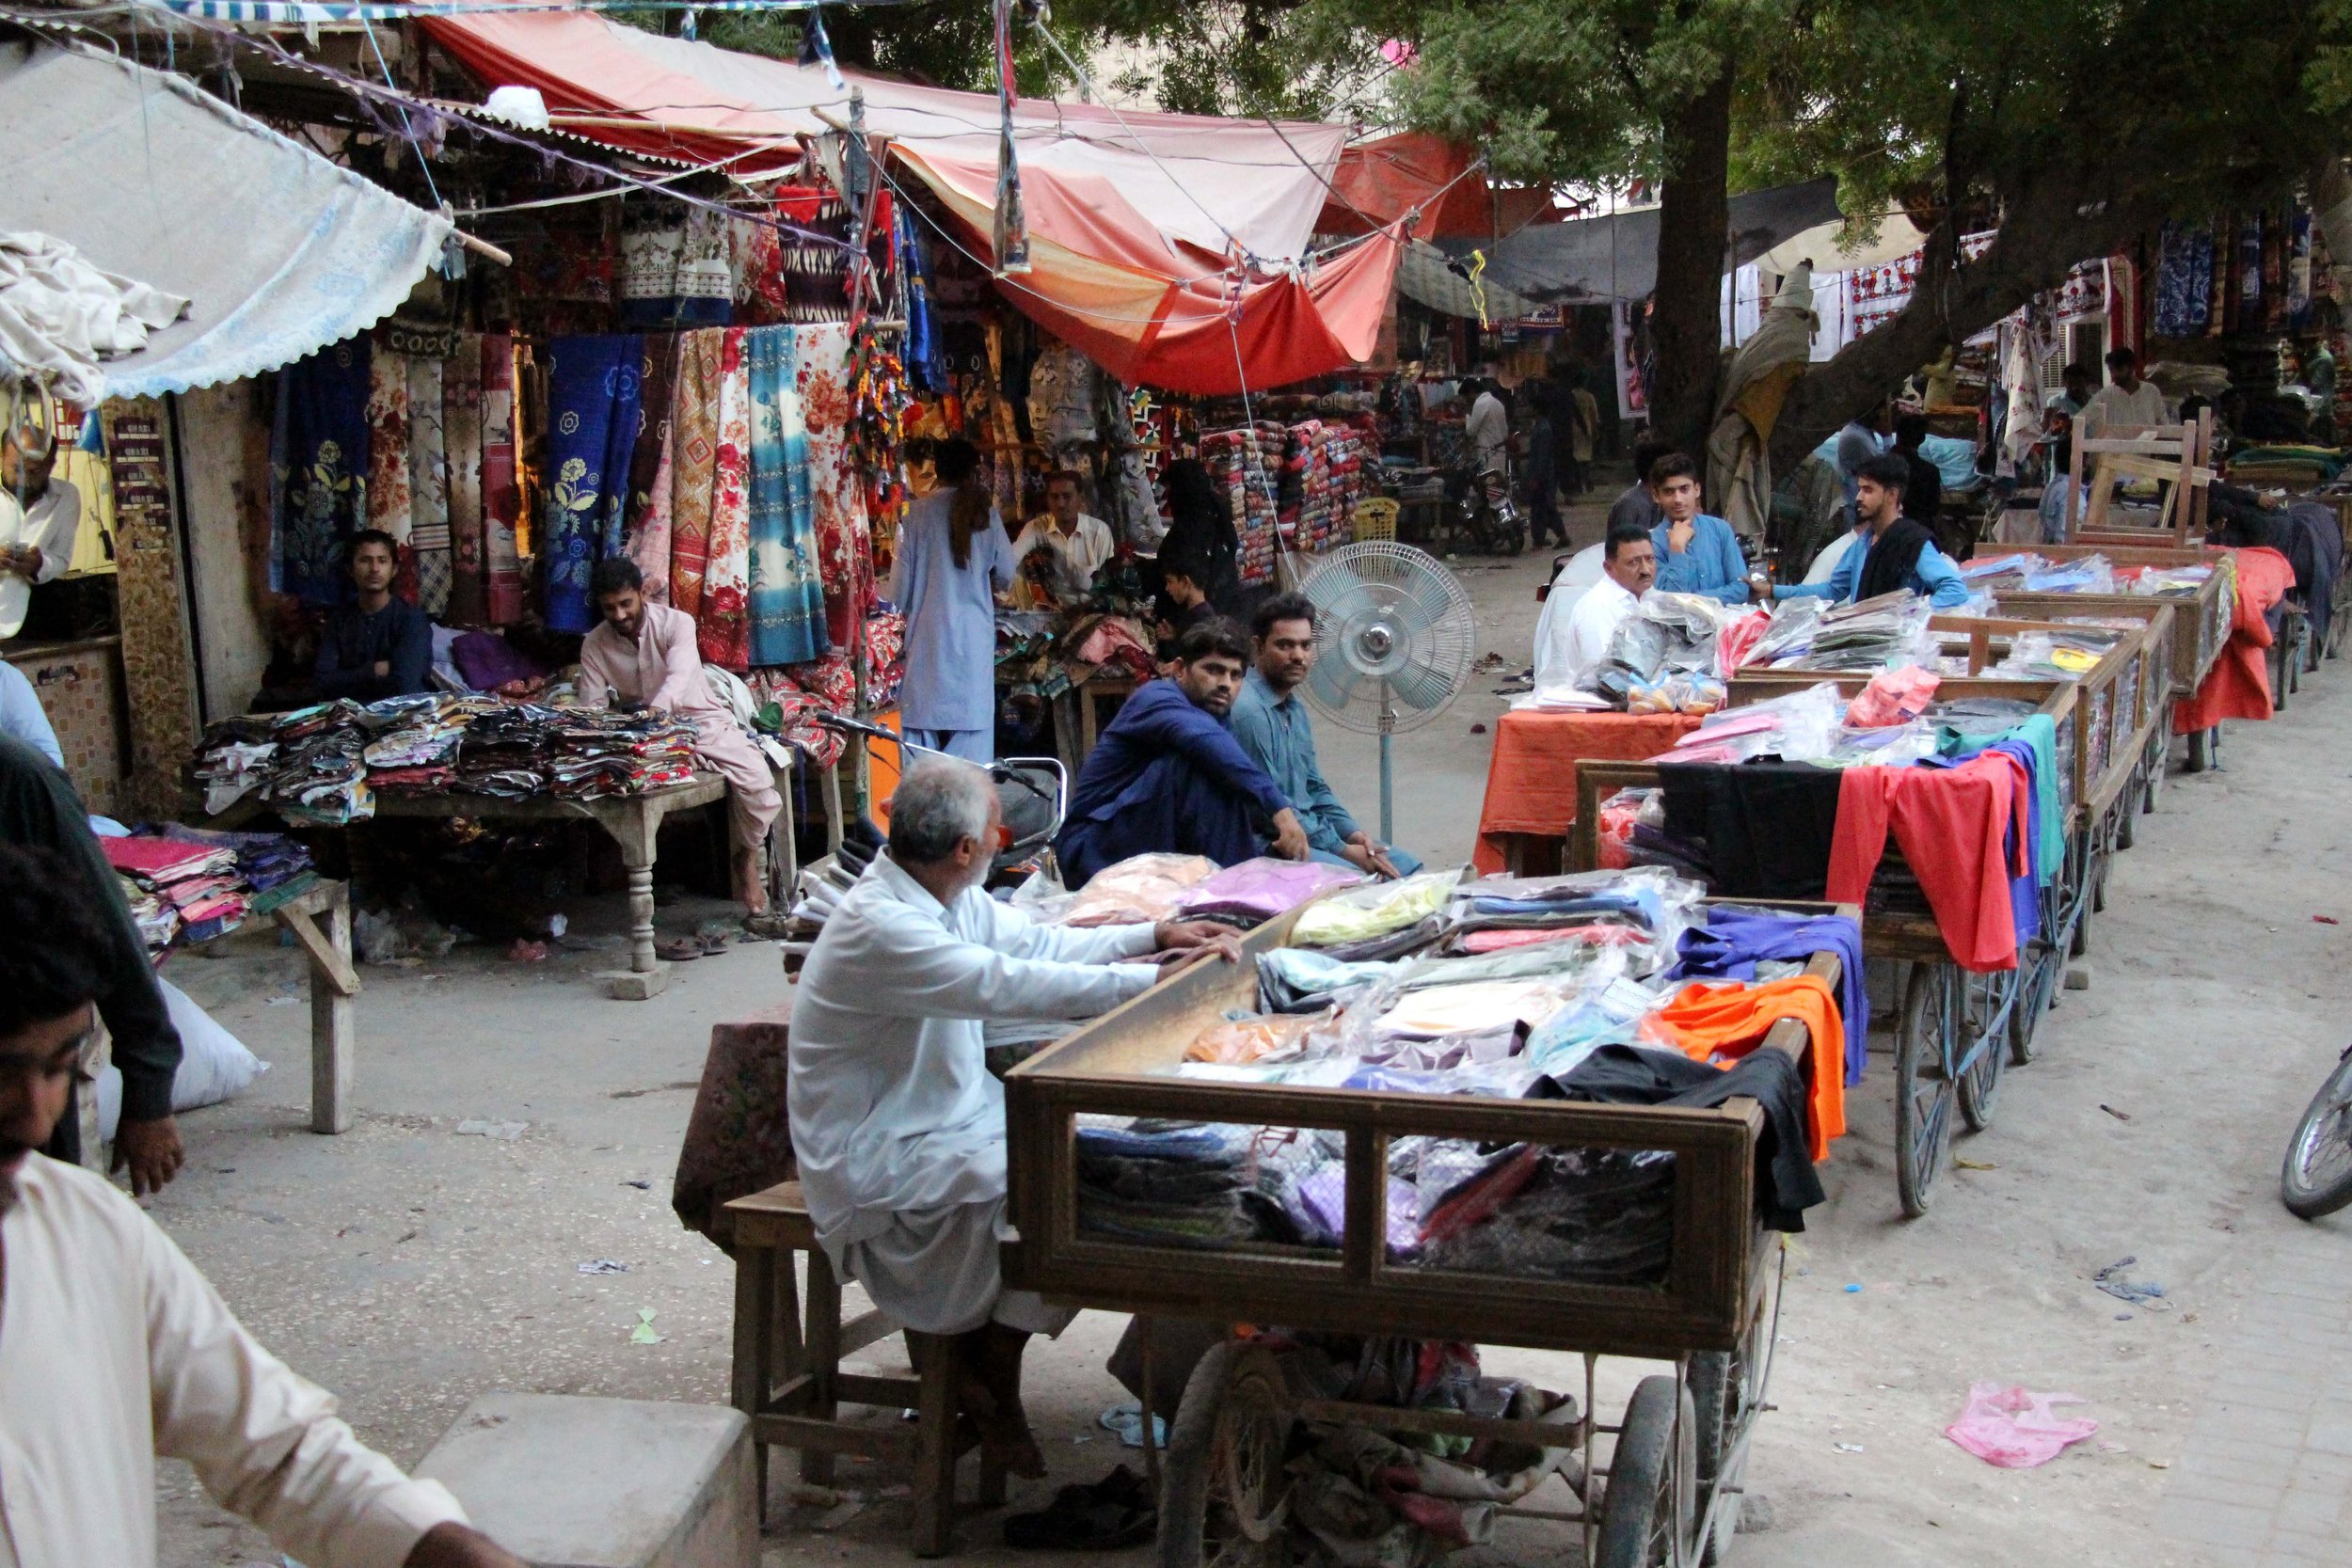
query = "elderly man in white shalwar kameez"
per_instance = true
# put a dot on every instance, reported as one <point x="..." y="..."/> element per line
<point x="897" y="1127"/>
<point x="643" y="654"/>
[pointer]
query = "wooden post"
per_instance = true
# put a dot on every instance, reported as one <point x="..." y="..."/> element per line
<point x="334" y="1019"/>
<point x="633" y="822"/>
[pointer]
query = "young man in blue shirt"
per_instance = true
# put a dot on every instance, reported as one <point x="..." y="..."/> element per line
<point x="1697" y="553"/>
<point x="1273" y="727"/>
<point x="1896" y="552"/>
<point x="1167" y="775"/>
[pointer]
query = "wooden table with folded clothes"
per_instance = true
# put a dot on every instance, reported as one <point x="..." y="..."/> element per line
<point x="1531" y="782"/>
<point x="470" y="756"/>
<point x="1980" y="891"/>
<point x="1569" y="1113"/>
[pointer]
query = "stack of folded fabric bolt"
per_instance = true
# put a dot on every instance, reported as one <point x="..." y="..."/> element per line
<point x="275" y="868"/>
<point x="417" y="750"/>
<point x="1256" y="891"/>
<point x="504" y="752"/>
<point x="199" y="881"/>
<point x="323" y="779"/>
<point x="596" y="754"/>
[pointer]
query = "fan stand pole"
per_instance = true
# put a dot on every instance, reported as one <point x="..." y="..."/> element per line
<point x="1388" y="772"/>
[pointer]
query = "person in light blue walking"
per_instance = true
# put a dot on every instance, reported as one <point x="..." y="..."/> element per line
<point x="1697" y="553"/>
<point x="952" y="561"/>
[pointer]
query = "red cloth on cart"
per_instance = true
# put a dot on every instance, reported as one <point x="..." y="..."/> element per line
<point x="1531" y="782"/>
<point x="2238" y="685"/>
<point x="1954" y="827"/>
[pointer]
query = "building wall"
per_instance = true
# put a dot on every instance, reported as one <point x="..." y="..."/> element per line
<point x="225" y="480"/>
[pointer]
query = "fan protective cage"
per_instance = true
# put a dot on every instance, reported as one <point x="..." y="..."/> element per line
<point x="1389" y="620"/>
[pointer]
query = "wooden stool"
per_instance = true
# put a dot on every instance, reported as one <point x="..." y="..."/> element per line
<point x="789" y="1383"/>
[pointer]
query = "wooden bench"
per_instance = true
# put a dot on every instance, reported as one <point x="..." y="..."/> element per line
<point x="789" y="1382"/>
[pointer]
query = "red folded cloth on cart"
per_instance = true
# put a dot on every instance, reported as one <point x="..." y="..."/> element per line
<point x="1954" y="825"/>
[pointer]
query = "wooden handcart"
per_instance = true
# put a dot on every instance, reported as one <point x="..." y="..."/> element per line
<point x="1678" y="1453"/>
<point x="1956" y="1029"/>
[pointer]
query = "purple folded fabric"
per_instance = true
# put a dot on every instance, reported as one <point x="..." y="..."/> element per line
<point x="488" y="660"/>
<point x="1263" y="888"/>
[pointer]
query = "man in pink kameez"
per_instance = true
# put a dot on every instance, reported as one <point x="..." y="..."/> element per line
<point x="643" y="654"/>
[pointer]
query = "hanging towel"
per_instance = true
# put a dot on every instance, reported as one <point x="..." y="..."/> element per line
<point x="501" y="496"/>
<point x="318" y="463"/>
<point x="787" y="607"/>
<point x="389" y="507"/>
<point x="461" y="411"/>
<point x="694" y="457"/>
<point x="594" y="386"/>
<point x="645" y="513"/>
<point x="724" y="623"/>
<point x="428" y="488"/>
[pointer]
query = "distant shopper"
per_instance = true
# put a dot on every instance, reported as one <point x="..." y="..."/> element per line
<point x="1697" y="553"/>
<point x="374" y="646"/>
<point x="2125" y="404"/>
<point x="952" y="561"/>
<point x="1923" y="493"/>
<point x="117" y="1350"/>
<point x="1200" y="527"/>
<point x="2080" y="384"/>
<point x="1863" y="438"/>
<point x="1271" y="722"/>
<point x="1636" y="507"/>
<point x="1543" y="506"/>
<point x="1486" y="428"/>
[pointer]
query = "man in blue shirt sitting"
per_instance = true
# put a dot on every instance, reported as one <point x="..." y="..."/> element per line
<point x="1168" y="776"/>
<point x="1272" y="725"/>
<point x="1697" y="553"/>
<point x="1896" y="551"/>
<point x="374" y="646"/>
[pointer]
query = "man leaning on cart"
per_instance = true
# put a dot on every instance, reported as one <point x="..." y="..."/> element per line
<point x="897" y="1126"/>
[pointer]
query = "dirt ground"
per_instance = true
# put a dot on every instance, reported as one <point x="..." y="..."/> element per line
<point x="411" y="1267"/>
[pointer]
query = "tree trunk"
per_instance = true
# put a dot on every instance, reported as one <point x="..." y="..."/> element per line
<point x="1693" y="232"/>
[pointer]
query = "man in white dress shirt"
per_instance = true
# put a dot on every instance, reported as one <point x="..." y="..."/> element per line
<point x="117" y="1349"/>
<point x="1629" y="566"/>
<point x="897" y="1127"/>
<point x="2126" y="403"/>
<point x="1083" y="543"/>
<point x="36" y="541"/>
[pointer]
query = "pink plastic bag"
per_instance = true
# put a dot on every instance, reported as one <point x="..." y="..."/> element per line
<point x="2012" y="1427"/>
<point x="1893" y="697"/>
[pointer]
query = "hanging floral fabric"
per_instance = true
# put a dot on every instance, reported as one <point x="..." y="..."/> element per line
<point x="461" y="413"/>
<point x="502" y="493"/>
<point x="787" y="604"/>
<point x="2183" y="280"/>
<point x="318" y="463"/>
<point x="725" y="621"/>
<point x="646" y="514"/>
<point x="428" y="486"/>
<point x="694" y="451"/>
<point x="878" y="402"/>
<point x="388" y="504"/>
<point x="594" y="386"/>
<point x="836" y="488"/>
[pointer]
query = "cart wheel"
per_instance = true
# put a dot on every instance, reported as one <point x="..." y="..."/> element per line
<point x="2037" y="991"/>
<point x="1648" y="1511"/>
<point x="1984" y="1028"/>
<point x="1224" y="1493"/>
<point x="2126" y="824"/>
<point x="2098" y="884"/>
<point x="2199" y="750"/>
<point x="1923" y="1090"/>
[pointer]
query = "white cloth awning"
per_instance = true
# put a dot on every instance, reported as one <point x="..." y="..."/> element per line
<point x="279" y="251"/>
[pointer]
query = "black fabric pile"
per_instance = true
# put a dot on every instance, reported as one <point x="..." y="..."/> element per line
<point x="1767" y="826"/>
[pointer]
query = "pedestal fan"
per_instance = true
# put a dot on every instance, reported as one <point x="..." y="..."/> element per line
<point x="1394" y="638"/>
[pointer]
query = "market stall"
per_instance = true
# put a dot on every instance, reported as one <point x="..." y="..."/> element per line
<point x="1981" y="893"/>
<point x="1412" y="1187"/>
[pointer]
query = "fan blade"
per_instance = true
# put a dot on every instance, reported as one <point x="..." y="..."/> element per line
<point x="1332" y="681"/>
<point x="1417" y="685"/>
<point x="1428" y="599"/>
<point x="1336" y="592"/>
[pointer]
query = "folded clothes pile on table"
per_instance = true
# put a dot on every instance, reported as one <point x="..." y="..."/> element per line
<point x="601" y="753"/>
<point x="1608" y="985"/>
<point x="189" y="886"/>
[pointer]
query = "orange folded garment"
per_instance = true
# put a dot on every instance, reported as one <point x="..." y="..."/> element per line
<point x="1721" y="1023"/>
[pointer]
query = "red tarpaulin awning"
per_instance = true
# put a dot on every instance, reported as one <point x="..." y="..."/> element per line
<point x="1174" y="249"/>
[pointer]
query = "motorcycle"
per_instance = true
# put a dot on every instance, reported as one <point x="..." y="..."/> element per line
<point x="1479" y="508"/>
<point x="2316" y="1177"/>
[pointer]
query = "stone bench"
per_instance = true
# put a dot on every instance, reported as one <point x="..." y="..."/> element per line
<point x="565" y="1481"/>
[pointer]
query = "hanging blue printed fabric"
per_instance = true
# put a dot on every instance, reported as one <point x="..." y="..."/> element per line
<point x="594" y="388"/>
<point x="787" y="596"/>
<point x="318" y="470"/>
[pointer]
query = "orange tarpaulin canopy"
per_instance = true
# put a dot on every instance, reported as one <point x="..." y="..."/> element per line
<point x="1173" y="250"/>
<point x="1380" y="181"/>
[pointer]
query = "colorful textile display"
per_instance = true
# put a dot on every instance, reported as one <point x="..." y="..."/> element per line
<point x="647" y="515"/>
<point x="427" y="561"/>
<point x="722" y="629"/>
<point x="390" y="505"/>
<point x="318" y="460"/>
<point x="2183" y="280"/>
<point x="836" y="494"/>
<point x="461" y="410"/>
<point x="502" y="494"/>
<point x="593" y="391"/>
<point x="1242" y="461"/>
<point x="694" y="449"/>
<point x="786" y="604"/>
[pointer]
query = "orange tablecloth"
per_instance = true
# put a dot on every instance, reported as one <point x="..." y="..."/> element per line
<point x="1530" y="785"/>
<point x="2238" y="685"/>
